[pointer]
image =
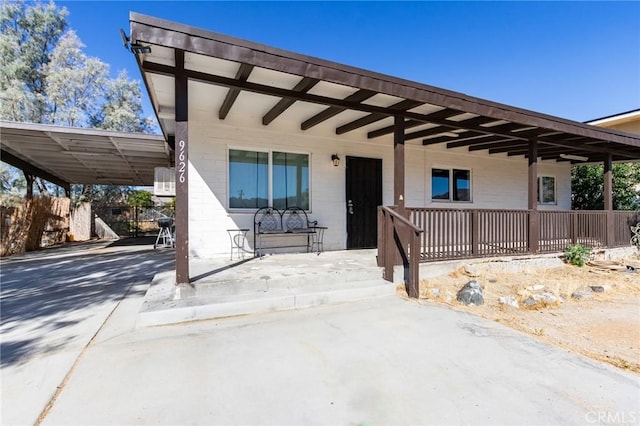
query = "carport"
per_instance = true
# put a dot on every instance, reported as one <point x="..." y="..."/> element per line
<point x="68" y="155"/>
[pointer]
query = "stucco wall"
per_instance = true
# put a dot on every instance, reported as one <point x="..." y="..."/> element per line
<point x="498" y="181"/>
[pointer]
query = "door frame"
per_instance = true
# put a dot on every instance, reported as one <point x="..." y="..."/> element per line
<point x="380" y="162"/>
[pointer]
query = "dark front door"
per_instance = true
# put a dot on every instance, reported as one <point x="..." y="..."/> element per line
<point x="364" y="195"/>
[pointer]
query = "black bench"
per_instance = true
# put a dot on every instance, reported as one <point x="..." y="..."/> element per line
<point x="292" y="222"/>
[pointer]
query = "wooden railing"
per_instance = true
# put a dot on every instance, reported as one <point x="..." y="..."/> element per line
<point x="399" y="244"/>
<point x="457" y="233"/>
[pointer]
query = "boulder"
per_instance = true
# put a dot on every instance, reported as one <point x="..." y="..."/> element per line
<point x="471" y="293"/>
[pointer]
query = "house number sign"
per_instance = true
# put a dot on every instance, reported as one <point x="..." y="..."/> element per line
<point x="182" y="163"/>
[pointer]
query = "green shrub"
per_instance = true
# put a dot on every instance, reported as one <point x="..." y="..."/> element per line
<point x="577" y="254"/>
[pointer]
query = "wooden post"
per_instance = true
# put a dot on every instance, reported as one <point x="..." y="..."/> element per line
<point x="534" y="229"/>
<point x="398" y="163"/>
<point x="381" y="238"/>
<point x="182" y="170"/>
<point x="608" y="200"/>
<point x="414" y="265"/>
<point x="475" y="233"/>
<point x="390" y="248"/>
<point x="29" y="178"/>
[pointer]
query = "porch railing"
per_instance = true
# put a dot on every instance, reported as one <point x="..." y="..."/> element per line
<point x="465" y="233"/>
<point x="429" y="234"/>
<point x="399" y="244"/>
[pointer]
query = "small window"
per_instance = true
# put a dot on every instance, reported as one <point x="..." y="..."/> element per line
<point x="450" y="185"/>
<point x="547" y="190"/>
<point x="251" y="171"/>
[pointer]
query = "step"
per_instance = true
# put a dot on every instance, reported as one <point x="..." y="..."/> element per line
<point x="173" y="305"/>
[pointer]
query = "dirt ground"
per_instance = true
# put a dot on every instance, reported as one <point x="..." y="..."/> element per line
<point x="604" y="325"/>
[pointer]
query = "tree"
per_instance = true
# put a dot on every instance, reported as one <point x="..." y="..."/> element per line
<point x="27" y="36"/>
<point x="587" y="187"/>
<point x="45" y="77"/>
<point x="139" y="197"/>
<point x="74" y="82"/>
<point x="122" y="109"/>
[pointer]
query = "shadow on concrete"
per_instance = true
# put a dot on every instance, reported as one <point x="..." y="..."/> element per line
<point x="134" y="241"/>
<point x="218" y="270"/>
<point x="45" y="295"/>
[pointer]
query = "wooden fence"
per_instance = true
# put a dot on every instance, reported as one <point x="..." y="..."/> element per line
<point x="33" y="223"/>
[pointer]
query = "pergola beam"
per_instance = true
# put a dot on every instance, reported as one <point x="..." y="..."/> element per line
<point x="242" y="75"/>
<point x="373" y="117"/>
<point x="303" y="86"/>
<point x="332" y="111"/>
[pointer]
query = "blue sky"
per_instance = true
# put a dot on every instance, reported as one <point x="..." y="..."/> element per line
<point x="577" y="60"/>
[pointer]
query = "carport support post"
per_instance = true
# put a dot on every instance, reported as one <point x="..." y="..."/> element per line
<point x="608" y="198"/>
<point x="29" y="178"/>
<point x="534" y="226"/>
<point x="182" y="170"/>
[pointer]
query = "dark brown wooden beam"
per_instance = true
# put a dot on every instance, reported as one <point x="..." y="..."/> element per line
<point x="608" y="199"/>
<point x="532" y="197"/>
<point x="398" y="163"/>
<point x="477" y="121"/>
<point x="372" y="118"/>
<point x="442" y="114"/>
<point x="242" y="75"/>
<point x="332" y="111"/>
<point x="28" y="168"/>
<point x="464" y="141"/>
<point x="496" y="144"/>
<point x="181" y="93"/>
<point x="507" y="127"/>
<point x="303" y="86"/>
<point x="389" y="129"/>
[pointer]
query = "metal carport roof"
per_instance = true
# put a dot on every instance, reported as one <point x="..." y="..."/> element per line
<point x="66" y="155"/>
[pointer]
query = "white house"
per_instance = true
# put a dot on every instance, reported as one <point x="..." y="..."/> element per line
<point x="255" y="126"/>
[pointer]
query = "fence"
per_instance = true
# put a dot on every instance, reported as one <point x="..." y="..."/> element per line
<point x="133" y="221"/>
<point x="28" y="224"/>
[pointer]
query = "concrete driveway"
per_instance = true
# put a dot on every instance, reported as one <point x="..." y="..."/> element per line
<point x="71" y="354"/>
<point x="380" y="361"/>
<point x="52" y="303"/>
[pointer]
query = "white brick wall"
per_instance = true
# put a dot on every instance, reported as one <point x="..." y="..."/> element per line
<point x="498" y="181"/>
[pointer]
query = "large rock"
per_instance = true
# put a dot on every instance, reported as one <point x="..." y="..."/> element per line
<point x="471" y="293"/>
<point x="542" y="299"/>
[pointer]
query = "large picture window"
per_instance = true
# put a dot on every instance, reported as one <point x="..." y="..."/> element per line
<point x="450" y="184"/>
<point x="251" y="171"/>
<point x="546" y="190"/>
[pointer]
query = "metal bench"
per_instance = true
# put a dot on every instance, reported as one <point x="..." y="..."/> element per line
<point x="292" y="222"/>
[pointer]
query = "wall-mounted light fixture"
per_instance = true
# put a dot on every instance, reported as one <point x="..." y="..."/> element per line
<point x="134" y="48"/>
<point x="335" y="160"/>
<point x="574" y="157"/>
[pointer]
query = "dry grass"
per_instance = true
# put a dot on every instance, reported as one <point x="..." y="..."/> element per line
<point x="604" y="326"/>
